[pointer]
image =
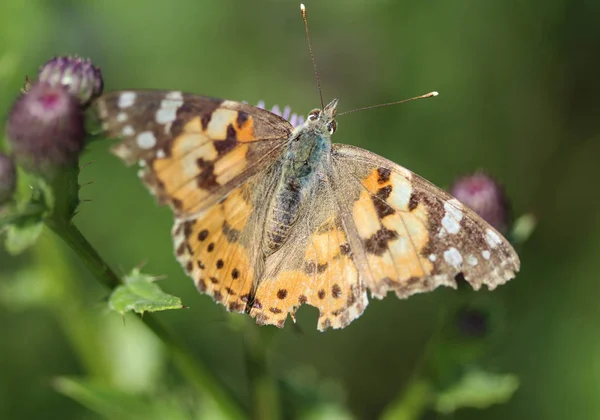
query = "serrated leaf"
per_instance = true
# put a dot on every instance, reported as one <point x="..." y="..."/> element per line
<point x="21" y="236"/>
<point x="477" y="389"/>
<point x="140" y="294"/>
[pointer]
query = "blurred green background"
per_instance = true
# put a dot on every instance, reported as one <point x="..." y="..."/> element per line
<point x="517" y="83"/>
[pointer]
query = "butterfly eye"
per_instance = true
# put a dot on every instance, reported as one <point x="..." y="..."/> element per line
<point x="313" y="116"/>
<point x="332" y="126"/>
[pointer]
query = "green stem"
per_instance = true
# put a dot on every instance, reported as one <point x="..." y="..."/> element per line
<point x="74" y="320"/>
<point x="198" y="374"/>
<point x="415" y="399"/>
<point x="66" y="189"/>
<point x="69" y="233"/>
<point x="263" y="387"/>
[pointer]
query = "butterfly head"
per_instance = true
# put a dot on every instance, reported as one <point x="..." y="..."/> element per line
<point x="323" y="120"/>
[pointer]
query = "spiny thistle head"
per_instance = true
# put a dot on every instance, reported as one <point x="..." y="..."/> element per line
<point x="485" y="196"/>
<point x="287" y="114"/>
<point x="45" y="126"/>
<point x="78" y="75"/>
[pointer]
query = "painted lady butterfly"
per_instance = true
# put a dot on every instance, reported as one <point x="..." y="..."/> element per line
<point x="269" y="217"/>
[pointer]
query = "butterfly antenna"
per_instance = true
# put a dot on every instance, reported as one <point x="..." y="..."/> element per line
<point x="312" y="55"/>
<point x="427" y="95"/>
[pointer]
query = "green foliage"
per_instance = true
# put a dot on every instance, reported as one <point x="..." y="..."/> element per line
<point x="111" y="403"/>
<point x="140" y="294"/>
<point x="22" y="234"/>
<point x="22" y="218"/>
<point x="517" y="99"/>
<point x="477" y="389"/>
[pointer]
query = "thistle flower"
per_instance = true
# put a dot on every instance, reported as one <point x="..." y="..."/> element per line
<point x="8" y="177"/>
<point x="485" y="196"/>
<point x="46" y="126"/>
<point x="472" y="322"/>
<point x="287" y="114"/>
<point x="78" y="75"/>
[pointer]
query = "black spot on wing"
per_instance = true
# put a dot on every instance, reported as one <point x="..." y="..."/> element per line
<point x="383" y="175"/>
<point x="382" y="208"/>
<point x="378" y="242"/>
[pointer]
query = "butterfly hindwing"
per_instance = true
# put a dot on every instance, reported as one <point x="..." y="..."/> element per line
<point x="191" y="149"/>
<point x="315" y="268"/>
<point x="411" y="236"/>
<point x="219" y="247"/>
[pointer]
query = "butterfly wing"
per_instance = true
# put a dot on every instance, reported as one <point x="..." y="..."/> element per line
<point x="409" y="236"/>
<point x="315" y="267"/>
<point x="220" y="247"/>
<point x="192" y="150"/>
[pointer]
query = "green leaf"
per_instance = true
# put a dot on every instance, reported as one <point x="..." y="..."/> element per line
<point x="523" y="228"/>
<point x="477" y="389"/>
<point x="112" y="403"/>
<point x="141" y="294"/>
<point x="21" y="236"/>
<point x="24" y="218"/>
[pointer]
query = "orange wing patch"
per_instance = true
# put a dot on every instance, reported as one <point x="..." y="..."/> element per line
<point x="192" y="150"/>
<point x="328" y="280"/>
<point x="202" y="158"/>
<point x="211" y="250"/>
<point x="393" y="231"/>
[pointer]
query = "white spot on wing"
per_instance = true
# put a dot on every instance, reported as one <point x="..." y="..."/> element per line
<point x="166" y="115"/>
<point x="128" y="131"/>
<point x="219" y="121"/>
<point x="432" y="258"/>
<point x="472" y="260"/>
<point x="146" y="140"/>
<point x="102" y="109"/>
<point x="175" y="95"/>
<point x="486" y="254"/>
<point x="492" y="238"/>
<point x="121" y="117"/>
<point x="160" y="153"/>
<point x="168" y="108"/>
<point x="452" y="217"/>
<point x="126" y="99"/>
<point x="401" y="192"/>
<point x="453" y="257"/>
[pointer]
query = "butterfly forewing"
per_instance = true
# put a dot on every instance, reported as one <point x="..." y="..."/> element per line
<point x="409" y="235"/>
<point x="192" y="150"/>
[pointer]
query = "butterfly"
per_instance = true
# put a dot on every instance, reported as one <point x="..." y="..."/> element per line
<point x="269" y="217"/>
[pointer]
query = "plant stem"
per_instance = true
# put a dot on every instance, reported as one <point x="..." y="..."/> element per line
<point x="69" y="233"/>
<point x="66" y="191"/>
<point x="415" y="399"/>
<point x="263" y="387"/>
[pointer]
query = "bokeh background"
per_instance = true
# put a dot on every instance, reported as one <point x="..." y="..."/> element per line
<point x="518" y="98"/>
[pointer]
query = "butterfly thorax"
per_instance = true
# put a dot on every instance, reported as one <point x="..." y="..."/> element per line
<point x="306" y="152"/>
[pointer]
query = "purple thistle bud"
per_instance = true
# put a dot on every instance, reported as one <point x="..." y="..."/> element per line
<point x="485" y="196"/>
<point x="8" y="177"/>
<point x="294" y="119"/>
<point x="78" y="75"/>
<point x="46" y="127"/>
<point x="472" y="322"/>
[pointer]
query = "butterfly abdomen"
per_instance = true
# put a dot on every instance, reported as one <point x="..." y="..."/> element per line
<point x="298" y="179"/>
<point x="286" y="206"/>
